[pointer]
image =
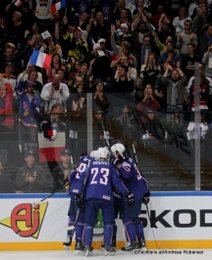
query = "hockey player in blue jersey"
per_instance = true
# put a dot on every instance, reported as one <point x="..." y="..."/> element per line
<point x="73" y="208"/>
<point x="100" y="177"/>
<point x="136" y="183"/>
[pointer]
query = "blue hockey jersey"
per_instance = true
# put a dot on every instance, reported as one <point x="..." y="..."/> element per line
<point x="133" y="179"/>
<point x="75" y="175"/>
<point x="101" y="176"/>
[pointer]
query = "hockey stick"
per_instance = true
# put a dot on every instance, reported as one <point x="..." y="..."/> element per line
<point x="20" y="145"/>
<point x="136" y="161"/>
<point x="147" y="208"/>
<point x="52" y="193"/>
<point x="106" y="133"/>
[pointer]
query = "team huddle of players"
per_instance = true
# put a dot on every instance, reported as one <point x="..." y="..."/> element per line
<point x="114" y="186"/>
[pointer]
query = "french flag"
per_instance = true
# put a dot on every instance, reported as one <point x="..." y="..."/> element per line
<point x="57" y="6"/>
<point x="40" y="59"/>
<point x="17" y="3"/>
<point x="51" y="145"/>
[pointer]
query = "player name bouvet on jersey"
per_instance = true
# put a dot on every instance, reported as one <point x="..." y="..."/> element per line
<point x="100" y="163"/>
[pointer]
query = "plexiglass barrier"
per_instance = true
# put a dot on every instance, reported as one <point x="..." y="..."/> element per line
<point x="172" y="149"/>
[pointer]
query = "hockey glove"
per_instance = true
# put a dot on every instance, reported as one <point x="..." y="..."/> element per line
<point x="79" y="200"/>
<point x="130" y="198"/>
<point x="117" y="162"/>
<point x="146" y="198"/>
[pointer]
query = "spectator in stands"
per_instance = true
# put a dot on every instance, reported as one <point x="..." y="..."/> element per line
<point x="55" y="92"/>
<point x="72" y="69"/>
<point x="178" y="21"/>
<point x="52" y="48"/>
<point x="185" y="37"/>
<point x="170" y="57"/>
<point x="6" y="181"/>
<point x="42" y="13"/>
<point x="56" y="25"/>
<point x="35" y="35"/>
<point x="100" y="57"/>
<point x="25" y="74"/>
<point x="62" y="172"/>
<point x="122" y="82"/>
<point x="120" y="5"/>
<point x="205" y="86"/>
<point x="200" y="20"/>
<point x="150" y="71"/>
<point x="149" y="101"/>
<point x="29" y="109"/>
<point x="6" y="106"/>
<point x="127" y="122"/>
<point x="32" y="78"/>
<point x="175" y="82"/>
<point x="107" y="7"/>
<point x="78" y="96"/>
<point x="56" y="63"/>
<point x="141" y="20"/>
<point x="165" y="27"/>
<point x="61" y="72"/>
<point x="206" y="61"/>
<point x="192" y="8"/>
<point x="98" y="27"/>
<point x="31" y="178"/>
<point x="121" y="49"/>
<point x="156" y="16"/>
<point x="144" y="51"/>
<point x="83" y="73"/>
<point x="17" y="31"/>
<point x="189" y="60"/>
<point x="78" y="103"/>
<point x="163" y="47"/>
<point x="10" y="55"/>
<point x="8" y="75"/>
<point x="77" y="47"/>
<point x="205" y="40"/>
<point x="78" y="85"/>
<point x="99" y="97"/>
<point x="125" y="33"/>
<point x="125" y="61"/>
<point x="150" y="124"/>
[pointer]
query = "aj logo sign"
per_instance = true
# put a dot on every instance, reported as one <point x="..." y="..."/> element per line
<point x="26" y="219"/>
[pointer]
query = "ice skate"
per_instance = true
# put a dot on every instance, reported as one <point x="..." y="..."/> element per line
<point x="87" y="250"/>
<point x="67" y="243"/>
<point x="109" y="250"/>
<point x="132" y="245"/>
<point x="141" y="244"/>
<point x="79" y="246"/>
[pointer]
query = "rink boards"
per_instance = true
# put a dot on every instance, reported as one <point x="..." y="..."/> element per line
<point x="171" y="220"/>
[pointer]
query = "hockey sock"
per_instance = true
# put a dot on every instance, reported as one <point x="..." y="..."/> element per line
<point x="130" y="230"/>
<point x="70" y="233"/>
<point x="139" y="230"/>
<point x="108" y="232"/>
<point x="79" y="232"/>
<point x="88" y="235"/>
<point x="114" y="233"/>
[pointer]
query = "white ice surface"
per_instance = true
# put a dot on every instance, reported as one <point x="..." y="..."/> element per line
<point x="168" y="254"/>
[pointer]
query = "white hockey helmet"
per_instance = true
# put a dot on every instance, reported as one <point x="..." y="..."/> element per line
<point x="103" y="153"/>
<point x="94" y="154"/>
<point x="117" y="148"/>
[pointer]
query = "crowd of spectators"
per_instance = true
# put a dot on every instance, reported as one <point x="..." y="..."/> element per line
<point x="148" y="49"/>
